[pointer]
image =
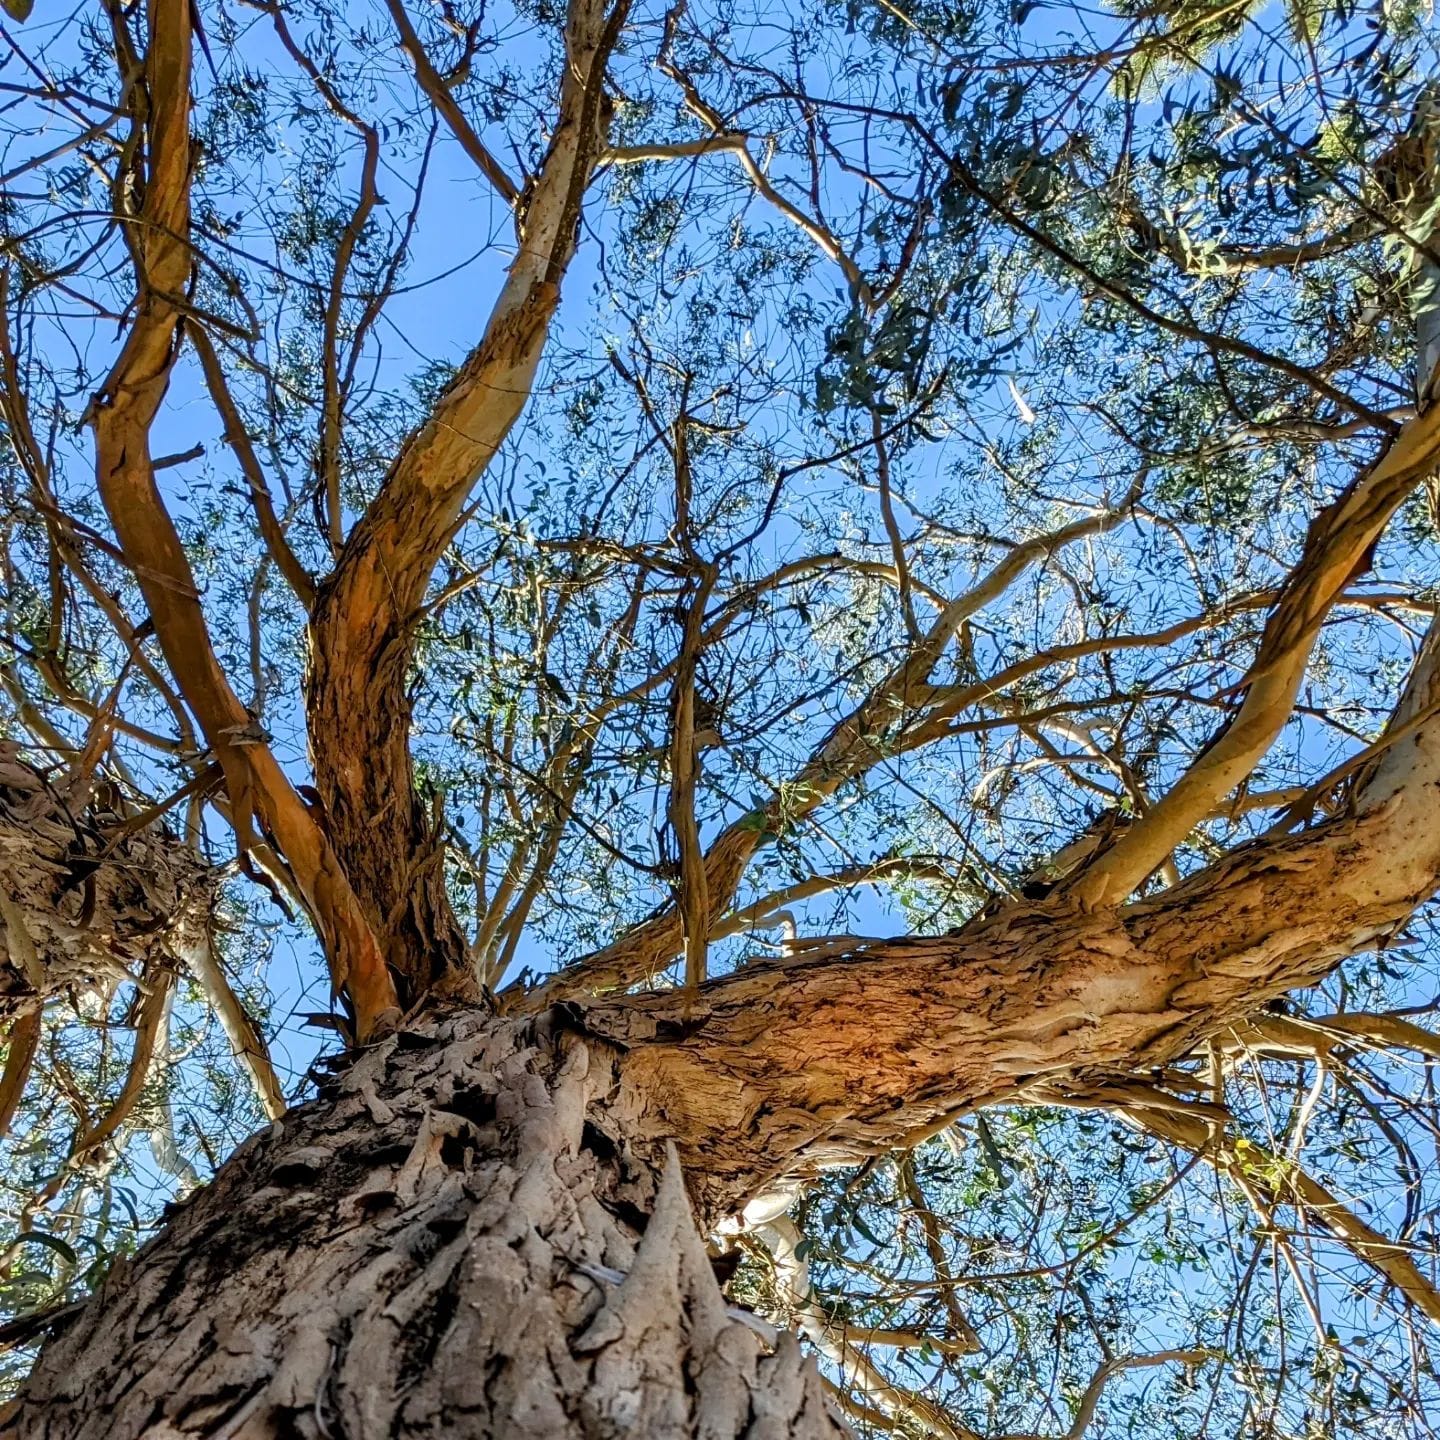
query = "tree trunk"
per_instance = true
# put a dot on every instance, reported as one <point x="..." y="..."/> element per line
<point x="462" y="1237"/>
<point x="480" y="1228"/>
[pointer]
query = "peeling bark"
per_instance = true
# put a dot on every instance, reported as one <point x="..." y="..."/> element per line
<point x="122" y="415"/>
<point x="474" y="1231"/>
<point x="435" y="1245"/>
<point x="787" y="1067"/>
<point x="85" y="900"/>
<point x="460" y="1239"/>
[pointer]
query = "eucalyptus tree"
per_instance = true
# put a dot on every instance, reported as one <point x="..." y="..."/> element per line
<point x="829" y="620"/>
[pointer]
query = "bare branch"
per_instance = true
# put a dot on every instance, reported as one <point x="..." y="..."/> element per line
<point x="1279" y="1180"/>
<point x="1338" y="541"/>
<point x="272" y="532"/>
<point x="246" y="1042"/>
<point x="446" y="106"/>
<point x="1090" y="1400"/>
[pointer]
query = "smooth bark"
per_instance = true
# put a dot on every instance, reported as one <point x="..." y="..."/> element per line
<point x="361" y="630"/>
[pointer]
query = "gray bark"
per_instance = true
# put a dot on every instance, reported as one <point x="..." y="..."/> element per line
<point x="461" y="1238"/>
<point x="85" y="899"/>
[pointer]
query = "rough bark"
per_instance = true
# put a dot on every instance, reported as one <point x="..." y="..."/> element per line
<point x="450" y="1241"/>
<point x="426" y="1249"/>
<point x="86" y="896"/>
<point x="359" y="705"/>
<point x="790" y="1066"/>
<point x="462" y="1238"/>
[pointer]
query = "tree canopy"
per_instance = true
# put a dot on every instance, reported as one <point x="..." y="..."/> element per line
<point x="532" y="501"/>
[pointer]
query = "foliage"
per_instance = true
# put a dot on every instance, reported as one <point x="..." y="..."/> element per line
<point x="1103" y="307"/>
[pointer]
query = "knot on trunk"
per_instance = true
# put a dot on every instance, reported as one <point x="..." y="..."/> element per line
<point x="90" y="890"/>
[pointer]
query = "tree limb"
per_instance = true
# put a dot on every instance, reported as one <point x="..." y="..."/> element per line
<point x="1338" y="540"/>
<point x="358" y="702"/>
<point x="122" y="415"/>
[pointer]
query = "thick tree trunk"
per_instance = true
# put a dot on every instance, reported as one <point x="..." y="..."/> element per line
<point x="463" y="1238"/>
<point x="470" y="1233"/>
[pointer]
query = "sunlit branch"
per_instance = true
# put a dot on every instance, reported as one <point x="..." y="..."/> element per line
<point x="812" y="226"/>
<point x="1277" y="1180"/>
<point x="122" y="416"/>
<point x="1339" y="538"/>
<point x="782" y="1237"/>
<point x="1090" y="1400"/>
<point x="272" y="532"/>
<point x="246" y="1042"/>
<point x="769" y="908"/>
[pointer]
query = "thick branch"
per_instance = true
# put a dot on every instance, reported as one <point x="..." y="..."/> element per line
<point x="789" y="1066"/>
<point x="359" y="708"/>
<point x="123" y="413"/>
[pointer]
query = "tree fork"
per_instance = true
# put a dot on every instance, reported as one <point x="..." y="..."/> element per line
<point x="358" y="701"/>
<point x="464" y="1195"/>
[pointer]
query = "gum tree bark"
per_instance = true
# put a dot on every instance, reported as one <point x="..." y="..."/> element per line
<point x="88" y="895"/>
<point x="477" y="1230"/>
<point x="358" y="703"/>
<point x="463" y="1238"/>
<point x="481" y="1227"/>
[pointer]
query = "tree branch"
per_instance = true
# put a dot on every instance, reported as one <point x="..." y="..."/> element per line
<point x="358" y="702"/>
<point x="1339" y="539"/>
<point x="855" y="743"/>
<point x="272" y="532"/>
<point x="795" y="1065"/>
<point x="1279" y="1180"/>
<point x="122" y="415"/>
<point x="446" y="106"/>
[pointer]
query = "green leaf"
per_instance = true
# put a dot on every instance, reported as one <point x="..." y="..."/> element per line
<point x="18" y="9"/>
<point x="39" y="1237"/>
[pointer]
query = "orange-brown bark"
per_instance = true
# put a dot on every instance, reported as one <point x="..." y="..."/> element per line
<point x="808" y="1062"/>
<point x="123" y="413"/>
<point x="472" y="1183"/>
<point x="358" y="693"/>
